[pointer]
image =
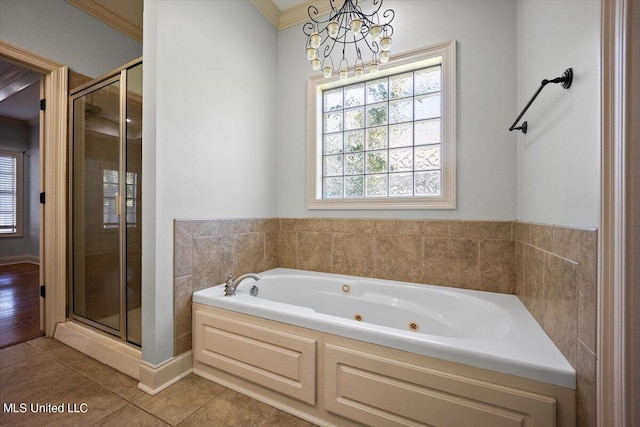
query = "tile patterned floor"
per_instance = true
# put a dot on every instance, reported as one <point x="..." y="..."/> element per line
<point x="46" y="371"/>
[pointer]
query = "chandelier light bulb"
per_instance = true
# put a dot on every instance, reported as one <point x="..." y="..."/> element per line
<point x="356" y="26"/>
<point x="385" y="43"/>
<point x="333" y="28"/>
<point x="314" y="40"/>
<point x="376" y="32"/>
<point x="311" y="53"/>
<point x="355" y="31"/>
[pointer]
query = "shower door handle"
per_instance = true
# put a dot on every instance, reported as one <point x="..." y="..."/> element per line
<point x="118" y="205"/>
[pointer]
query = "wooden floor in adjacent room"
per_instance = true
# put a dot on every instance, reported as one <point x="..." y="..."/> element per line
<point x="19" y="303"/>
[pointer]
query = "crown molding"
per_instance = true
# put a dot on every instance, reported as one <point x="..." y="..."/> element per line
<point x="269" y="10"/>
<point x="298" y="14"/>
<point x="110" y="17"/>
<point x="292" y="16"/>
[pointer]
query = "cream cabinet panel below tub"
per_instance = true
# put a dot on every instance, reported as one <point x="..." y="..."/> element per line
<point x="277" y="360"/>
<point x="336" y="381"/>
<point x="379" y="391"/>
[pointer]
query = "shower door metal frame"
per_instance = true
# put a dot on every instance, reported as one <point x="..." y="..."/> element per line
<point x="118" y="75"/>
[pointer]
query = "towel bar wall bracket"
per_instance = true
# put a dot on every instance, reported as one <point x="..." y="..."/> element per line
<point x="565" y="80"/>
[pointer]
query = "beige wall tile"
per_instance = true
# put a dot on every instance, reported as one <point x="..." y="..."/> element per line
<point x="542" y="236"/>
<point x="435" y="228"/>
<point x="573" y="243"/>
<point x="560" y="314"/>
<point x="212" y="261"/>
<point x="586" y="380"/>
<point x="313" y="251"/>
<point x="587" y="302"/>
<point x="408" y="227"/>
<point x="182" y="249"/>
<point x="450" y="262"/>
<point x="533" y="282"/>
<point x="236" y="226"/>
<point x="271" y="249"/>
<point x="182" y="344"/>
<point x="481" y="229"/>
<point x="360" y="226"/>
<point x="182" y="306"/>
<point x="265" y="225"/>
<point x="436" y="270"/>
<point x="423" y="228"/>
<point x="309" y="224"/>
<point x="522" y="232"/>
<point x="353" y="254"/>
<point x="519" y="270"/>
<point x="287" y="249"/>
<point x="287" y="224"/>
<point x="398" y="258"/>
<point x="248" y="253"/>
<point x="496" y="265"/>
<point x="385" y="226"/>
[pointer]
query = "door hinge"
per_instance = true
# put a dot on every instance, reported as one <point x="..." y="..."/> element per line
<point x="43" y="104"/>
<point x="42" y="198"/>
<point x="42" y="291"/>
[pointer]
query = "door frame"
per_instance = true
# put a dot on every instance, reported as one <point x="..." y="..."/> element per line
<point x="53" y="172"/>
<point x="618" y="296"/>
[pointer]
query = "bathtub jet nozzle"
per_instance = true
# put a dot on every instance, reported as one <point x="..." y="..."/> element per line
<point x="231" y="285"/>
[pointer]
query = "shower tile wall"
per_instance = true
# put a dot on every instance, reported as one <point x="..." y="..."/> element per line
<point x="552" y="269"/>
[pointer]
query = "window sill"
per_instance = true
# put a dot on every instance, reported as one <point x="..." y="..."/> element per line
<point x="9" y="235"/>
<point x="383" y="203"/>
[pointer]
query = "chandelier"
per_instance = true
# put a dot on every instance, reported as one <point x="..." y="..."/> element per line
<point x="349" y="28"/>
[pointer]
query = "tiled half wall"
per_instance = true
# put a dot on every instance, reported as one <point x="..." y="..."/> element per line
<point x="552" y="269"/>
<point x="556" y="275"/>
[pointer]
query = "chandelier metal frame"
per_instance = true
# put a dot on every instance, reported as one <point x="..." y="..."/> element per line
<point x="347" y="26"/>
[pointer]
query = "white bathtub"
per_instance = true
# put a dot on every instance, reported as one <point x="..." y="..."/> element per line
<point x="487" y="330"/>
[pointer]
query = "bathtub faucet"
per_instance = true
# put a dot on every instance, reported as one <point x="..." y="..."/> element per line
<point x="231" y="285"/>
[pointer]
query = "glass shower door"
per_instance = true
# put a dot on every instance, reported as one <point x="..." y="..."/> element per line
<point x="97" y="207"/>
<point x="106" y="211"/>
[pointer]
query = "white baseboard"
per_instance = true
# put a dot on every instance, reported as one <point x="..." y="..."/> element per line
<point x="108" y="350"/>
<point x="31" y="259"/>
<point x="154" y="379"/>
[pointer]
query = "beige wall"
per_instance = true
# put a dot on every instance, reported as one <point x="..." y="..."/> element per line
<point x="552" y="269"/>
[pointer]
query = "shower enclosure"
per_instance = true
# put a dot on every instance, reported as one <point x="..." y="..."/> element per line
<point x="105" y="200"/>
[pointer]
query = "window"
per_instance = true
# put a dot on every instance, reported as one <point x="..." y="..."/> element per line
<point x="385" y="142"/>
<point x="110" y="190"/>
<point x="10" y="193"/>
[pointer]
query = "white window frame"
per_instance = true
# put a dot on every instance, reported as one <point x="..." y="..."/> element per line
<point x="19" y="208"/>
<point x="443" y="54"/>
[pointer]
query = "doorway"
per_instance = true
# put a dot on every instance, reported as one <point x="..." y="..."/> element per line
<point x="20" y="210"/>
<point x="106" y="211"/>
